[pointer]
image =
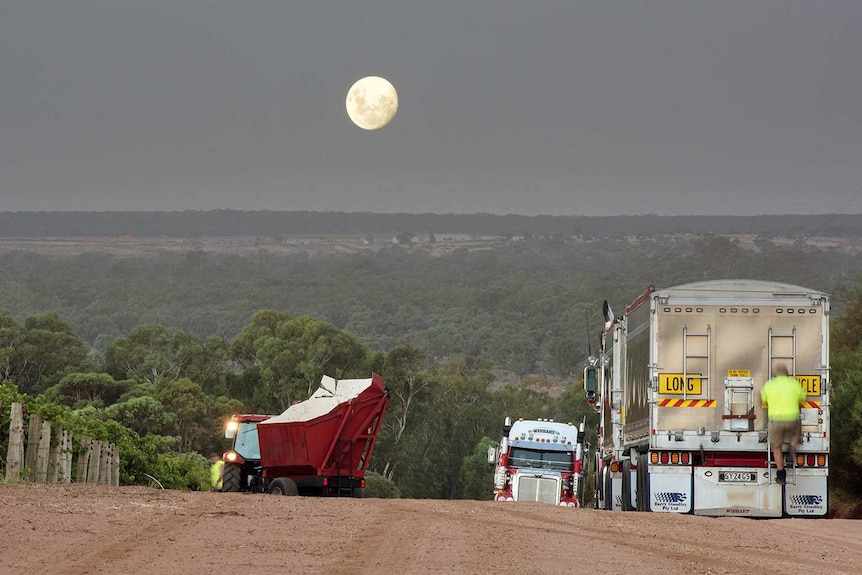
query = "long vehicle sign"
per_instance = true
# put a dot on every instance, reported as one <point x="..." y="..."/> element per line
<point x="672" y="384"/>
<point x="811" y="384"/>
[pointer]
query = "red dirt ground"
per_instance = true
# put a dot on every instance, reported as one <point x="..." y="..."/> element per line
<point x="81" y="529"/>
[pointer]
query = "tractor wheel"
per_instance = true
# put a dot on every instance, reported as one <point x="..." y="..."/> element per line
<point x="231" y="477"/>
<point x="283" y="486"/>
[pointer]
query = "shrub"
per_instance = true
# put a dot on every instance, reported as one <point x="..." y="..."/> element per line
<point x="379" y="486"/>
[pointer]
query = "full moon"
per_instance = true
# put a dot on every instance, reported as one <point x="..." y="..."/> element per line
<point x="372" y="102"/>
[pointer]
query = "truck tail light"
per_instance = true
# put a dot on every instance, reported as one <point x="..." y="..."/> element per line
<point x="821" y="460"/>
<point x="811" y="460"/>
<point x="670" y="457"/>
<point x="800" y="460"/>
<point x="615" y="467"/>
<point x="362" y="484"/>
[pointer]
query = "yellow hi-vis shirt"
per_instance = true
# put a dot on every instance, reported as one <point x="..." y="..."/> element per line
<point x="781" y="395"/>
<point x="215" y="474"/>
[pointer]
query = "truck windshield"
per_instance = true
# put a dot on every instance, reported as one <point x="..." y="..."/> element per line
<point x="536" y="459"/>
<point x="246" y="443"/>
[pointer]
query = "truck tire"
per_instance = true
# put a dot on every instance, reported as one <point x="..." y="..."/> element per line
<point x="598" y="483"/>
<point x="643" y="482"/>
<point x="608" y="495"/>
<point x="231" y="478"/>
<point x="626" y="495"/>
<point x="357" y="492"/>
<point x="283" y="486"/>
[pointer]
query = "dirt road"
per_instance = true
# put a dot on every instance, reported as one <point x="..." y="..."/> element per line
<point x="79" y="529"/>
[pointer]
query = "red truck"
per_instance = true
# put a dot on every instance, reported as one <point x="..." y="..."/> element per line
<point x="320" y="446"/>
<point x="539" y="460"/>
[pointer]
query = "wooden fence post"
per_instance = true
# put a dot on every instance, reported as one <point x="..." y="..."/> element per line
<point x="32" y="450"/>
<point x="42" y="452"/>
<point x="107" y="460"/>
<point x="84" y="459"/>
<point x="54" y="455"/>
<point x="104" y="463"/>
<point x="66" y="457"/>
<point x="15" y="453"/>
<point x="115" y="479"/>
<point x="93" y="467"/>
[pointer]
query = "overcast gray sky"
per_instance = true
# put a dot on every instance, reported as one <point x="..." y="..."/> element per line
<point x="546" y="107"/>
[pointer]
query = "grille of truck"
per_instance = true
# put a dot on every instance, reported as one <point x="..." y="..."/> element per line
<point x="542" y="489"/>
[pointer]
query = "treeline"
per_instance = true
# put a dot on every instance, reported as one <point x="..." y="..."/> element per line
<point x="153" y="353"/>
<point x="529" y="307"/>
<point x="163" y="396"/>
<point x="189" y="224"/>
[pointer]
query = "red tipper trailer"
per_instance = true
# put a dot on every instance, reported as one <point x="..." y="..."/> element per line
<point x="322" y="445"/>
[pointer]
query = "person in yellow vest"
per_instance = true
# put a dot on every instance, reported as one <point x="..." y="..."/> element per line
<point x="781" y="396"/>
<point x="216" y="471"/>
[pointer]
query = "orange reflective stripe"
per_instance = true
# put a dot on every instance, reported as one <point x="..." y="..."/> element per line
<point x="686" y="403"/>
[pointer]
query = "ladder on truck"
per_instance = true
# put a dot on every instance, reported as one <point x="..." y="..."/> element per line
<point x="686" y="356"/>
<point x="773" y="337"/>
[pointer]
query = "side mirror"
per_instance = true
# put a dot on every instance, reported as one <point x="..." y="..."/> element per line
<point x="591" y="383"/>
<point x="492" y="454"/>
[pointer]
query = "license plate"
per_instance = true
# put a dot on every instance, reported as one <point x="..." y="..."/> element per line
<point x="737" y="476"/>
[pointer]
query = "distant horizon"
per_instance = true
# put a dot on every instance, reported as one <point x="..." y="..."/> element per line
<point x="378" y="213"/>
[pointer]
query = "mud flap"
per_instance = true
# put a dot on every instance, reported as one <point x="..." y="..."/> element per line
<point x="670" y="489"/>
<point x="616" y="490"/>
<point x="810" y="496"/>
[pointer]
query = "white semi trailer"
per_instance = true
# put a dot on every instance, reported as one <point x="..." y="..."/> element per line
<point x="677" y="386"/>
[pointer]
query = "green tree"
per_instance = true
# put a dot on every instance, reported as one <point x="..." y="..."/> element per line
<point x="152" y="352"/>
<point x="407" y="385"/>
<point x="846" y="395"/>
<point x="48" y="350"/>
<point x="148" y="354"/>
<point x="292" y="354"/>
<point x="11" y="339"/>
<point x="477" y="476"/>
<point x="77" y="389"/>
<point x="187" y="401"/>
<point x="208" y="362"/>
<point x="144" y="416"/>
<point x="459" y="412"/>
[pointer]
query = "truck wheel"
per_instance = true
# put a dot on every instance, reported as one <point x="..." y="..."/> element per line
<point x="283" y="486"/>
<point x="357" y="492"/>
<point x="608" y="495"/>
<point x="598" y="483"/>
<point x="231" y="477"/>
<point x="627" y="486"/>
<point x="643" y="482"/>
